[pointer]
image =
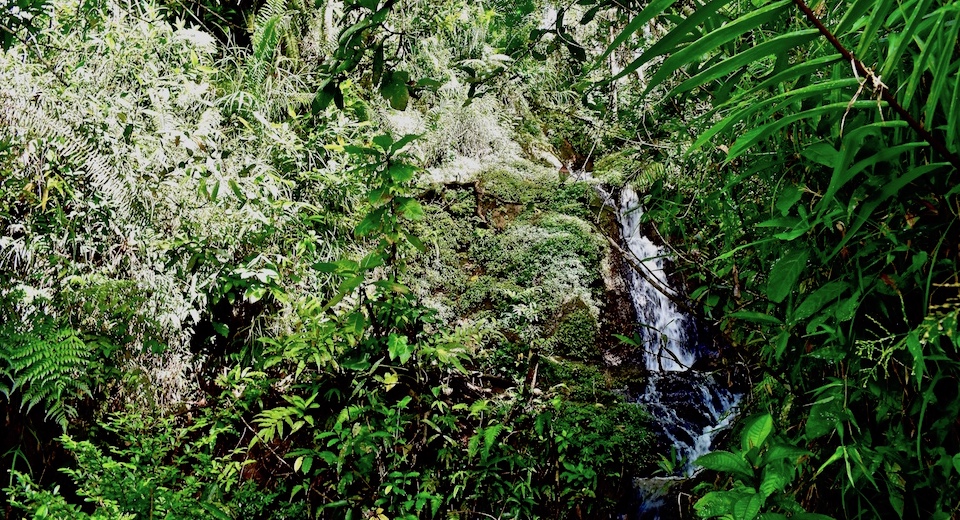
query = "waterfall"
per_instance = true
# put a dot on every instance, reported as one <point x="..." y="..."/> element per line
<point x="664" y="326"/>
<point x="690" y="406"/>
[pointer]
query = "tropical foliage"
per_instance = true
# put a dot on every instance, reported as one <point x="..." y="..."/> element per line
<point x="829" y="253"/>
<point x="288" y="260"/>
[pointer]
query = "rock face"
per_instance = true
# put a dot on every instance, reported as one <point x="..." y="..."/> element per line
<point x="618" y="315"/>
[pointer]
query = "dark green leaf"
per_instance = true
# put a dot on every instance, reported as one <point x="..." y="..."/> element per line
<point x="395" y="89"/>
<point x="785" y="273"/>
<point x="822" y="296"/>
<point x="787" y="198"/>
<point x="416" y="242"/>
<point x="372" y="222"/>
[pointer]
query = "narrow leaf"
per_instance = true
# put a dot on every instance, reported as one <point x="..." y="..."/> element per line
<point x="711" y="41"/>
<point x="652" y="9"/>
<point x="775" y="45"/>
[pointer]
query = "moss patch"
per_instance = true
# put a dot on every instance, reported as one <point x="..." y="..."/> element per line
<point x="576" y="336"/>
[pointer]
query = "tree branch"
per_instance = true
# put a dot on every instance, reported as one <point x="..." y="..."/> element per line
<point x="938" y="145"/>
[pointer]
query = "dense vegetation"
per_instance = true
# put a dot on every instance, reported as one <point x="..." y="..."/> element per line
<point x="284" y="260"/>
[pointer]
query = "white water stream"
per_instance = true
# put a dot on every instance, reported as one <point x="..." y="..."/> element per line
<point x="689" y="405"/>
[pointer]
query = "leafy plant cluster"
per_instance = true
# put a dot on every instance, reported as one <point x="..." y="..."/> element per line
<point x="827" y="250"/>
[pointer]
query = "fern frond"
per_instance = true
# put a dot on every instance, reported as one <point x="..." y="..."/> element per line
<point x="45" y="365"/>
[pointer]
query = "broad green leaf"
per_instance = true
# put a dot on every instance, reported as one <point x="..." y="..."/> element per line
<point x="411" y="209"/>
<point x="783" y="340"/>
<point x="789" y="196"/>
<point x="775" y="478"/>
<point x="756" y="431"/>
<point x="416" y="242"/>
<point x="373" y="221"/>
<point x="395" y="90"/>
<point x="778" y="452"/>
<point x="349" y="285"/>
<point x="823" y="419"/>
<point x="785" y="273"/>
<point x="726" y="462"/>
<point x="404" y="141"/>
<point x="237" y="192"/>
<point x="748" y="507"/>
<point x="837" y="454"/>
<point x="383" y="141"/>
<point x="916" y="350"/>
<point x="822" y="153"/>
<point x="371" y="261"/>
<point x="401" y="172"/>
<point x="212" y="509"/>
<point x="810" y="516"/>
<point x="221" y="329"/>
<point x="324" y="96"/>
<point x="398" y="348"/>
<point x="715" y="503"/>
<point x="379" y="195"/>
<point x="391" y="285"/>
<point x="822" y="296"/>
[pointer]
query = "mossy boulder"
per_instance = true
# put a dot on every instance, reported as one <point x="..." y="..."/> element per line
<point x="577" y="333"/>
<point x="521" y="182"/>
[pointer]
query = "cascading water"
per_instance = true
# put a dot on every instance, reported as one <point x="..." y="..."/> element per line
<point x="689" y="405"/>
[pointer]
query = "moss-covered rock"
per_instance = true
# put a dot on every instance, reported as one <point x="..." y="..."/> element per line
<point x="520" y="182"/>
<point x="576" y="334"/>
